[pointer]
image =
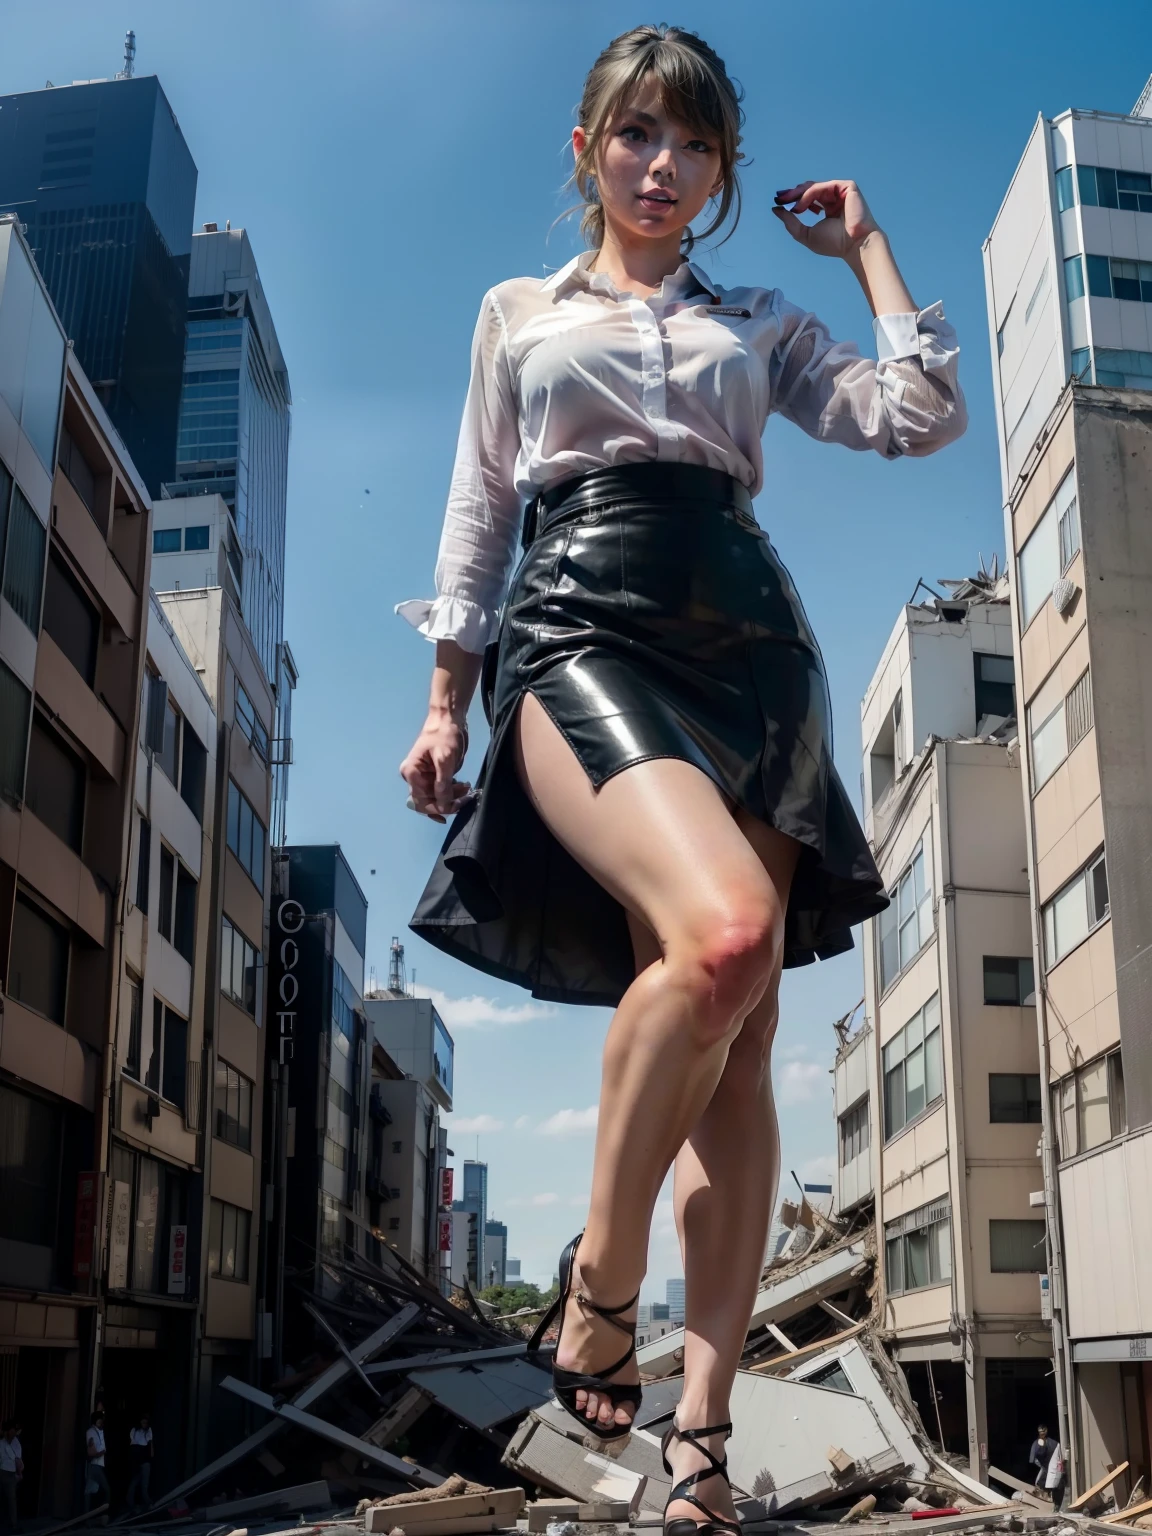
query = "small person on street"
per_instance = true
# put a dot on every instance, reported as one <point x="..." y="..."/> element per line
<point x="140" y="1454"/>
<point x="1041" y="1453"/>
<point x="96" y="1489"/>
<point x="11" y="1471"/>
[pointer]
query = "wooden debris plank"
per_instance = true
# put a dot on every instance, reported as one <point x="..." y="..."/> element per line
<point x="1029" y="1490"/>
<point x="451" y="1517"/>
<point x="778" y="1362"/>
<point x="1122" y="1515"/>
<point x="1086" y="1498"/>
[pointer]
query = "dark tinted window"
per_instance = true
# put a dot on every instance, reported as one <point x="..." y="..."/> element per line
<point x="144" y="865"/>
<point x="167" y="880"/>
<point x="995" y="686"/>
<point x="193" y="770"/>
<point x="135" y="1029"/>
<point x="55" y="787"/>
<point x="167" y="757"/>
<point x="71" y="618"/>
<point x="15" y="708"/>
<point x="174" y="1085"/>
<point x="246" y="835"/>
<point x="24" y="561"/>
<point x="184" y="932"/>
<point x="196" y="538"/>
<point x="232" y="1106"/>
<point x="29" y="1167"/>
<point x="78" y="470"/>
<point x="166" y="541"/>
<point x="1008" y="981"/>
<point x="5" y="503"/>
<point x="1014" y="1098"/>
<point x="38" y="969"/>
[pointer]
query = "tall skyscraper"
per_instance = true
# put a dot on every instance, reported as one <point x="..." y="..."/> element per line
<point x="674" y="1296"/>
<point x="102" y="180"/>
<point x="235" y="413"/>
<point x="1068" y="271"/>
<point x="474" y="1199"/>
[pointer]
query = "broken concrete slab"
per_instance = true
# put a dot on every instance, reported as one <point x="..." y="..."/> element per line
<point x="494" y="1510"/>
<point x="487" y="1394"/>
<point x="548" y="1449"/>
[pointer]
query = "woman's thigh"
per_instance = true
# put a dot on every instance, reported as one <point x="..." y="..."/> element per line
<point x="658" y="836"/>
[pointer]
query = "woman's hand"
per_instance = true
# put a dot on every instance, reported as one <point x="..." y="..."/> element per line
<point x="847" y="219"/>
<point x="429" y="769"/>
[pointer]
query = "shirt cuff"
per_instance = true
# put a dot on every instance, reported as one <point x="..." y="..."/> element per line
<point x="450" y="618"/>
<point x="896" y="337"/>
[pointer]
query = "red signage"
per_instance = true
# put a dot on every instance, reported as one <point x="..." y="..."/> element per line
<point x="445" y="1226"/>
<point x="446" y="1189"/>
<point x="83" y="1242"/>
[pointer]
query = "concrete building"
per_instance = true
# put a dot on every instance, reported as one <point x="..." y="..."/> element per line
<point x="99" y="174"/>
<point x="319" y="1072"/>
<point x="235" y="418"/>
<point x="74" y="556"/>
<point x="474" y="1200"/>
<point x="511" y="1271"/>
<point x="674" y="1295"/>
<point x="411" y="1087"/>
<point x="495" y="1252"/>
<point x="232" y="1331"/>
<point x="937" y="1094"/>
<point x="1068" y="269"/>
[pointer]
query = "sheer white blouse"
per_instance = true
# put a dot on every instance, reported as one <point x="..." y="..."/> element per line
<point x="569" y="375"/>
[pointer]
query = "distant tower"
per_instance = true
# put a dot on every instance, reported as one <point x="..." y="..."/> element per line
<point x="397" y="978"/>
<point x="129" y="57"/>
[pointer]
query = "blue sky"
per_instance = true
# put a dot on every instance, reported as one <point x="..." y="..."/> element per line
<point x="391" y="161"/>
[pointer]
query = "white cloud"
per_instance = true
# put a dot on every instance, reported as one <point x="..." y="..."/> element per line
<point x="800" y="1080"/>
<point x="475" y="1125"/>
<point x="483" y="1012"/>
<point x="570" y="1122"/>
<point x="536" y="1200"/>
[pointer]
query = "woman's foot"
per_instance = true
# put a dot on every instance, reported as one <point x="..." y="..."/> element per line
<point x="589" y="1342"/>
<point x="713" y="1491"/>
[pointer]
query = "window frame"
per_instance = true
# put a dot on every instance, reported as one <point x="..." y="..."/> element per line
<point x="933" y="1222"/>
<point x="999" y="1224"/>
<point x="902" y="918"/>
<point x="1057" y="513"/>
<point x="226" y="1220"/>
<point x="241" y="828"/>
<point x="235" y="1130"/>
<point x="252" y="727"/>
<point x="1025" y="970"/>
<point x="915" y="1036"/>
<point x="854" y="1131"/>
<point x="1068" y="1105"/>
<point x="57" y="932"/>
<point x="1088" y="875"/>
<point x="232" y="936"/>
<point x="1026" y="1100"/>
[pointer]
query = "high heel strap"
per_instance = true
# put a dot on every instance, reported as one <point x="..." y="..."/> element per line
<point x="694" y="1436"/>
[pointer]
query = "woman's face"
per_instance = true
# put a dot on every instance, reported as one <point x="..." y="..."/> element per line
<point x="654" y="174"/>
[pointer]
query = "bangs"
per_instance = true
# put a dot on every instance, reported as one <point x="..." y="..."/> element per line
<point x="688" y="92"/>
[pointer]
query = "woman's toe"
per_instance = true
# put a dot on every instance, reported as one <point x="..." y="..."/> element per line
<point x="623" y="1415"/>
<point x="591" y="1405"/>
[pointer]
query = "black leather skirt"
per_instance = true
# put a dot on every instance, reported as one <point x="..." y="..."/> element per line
<point x="652" y="618"/>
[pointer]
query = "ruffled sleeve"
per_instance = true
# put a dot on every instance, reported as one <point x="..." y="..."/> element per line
<point x="482" y="518"/>
<point x="908" y="401"/>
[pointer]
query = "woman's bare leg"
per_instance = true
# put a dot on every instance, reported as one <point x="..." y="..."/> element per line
<point x="660" y="838"/>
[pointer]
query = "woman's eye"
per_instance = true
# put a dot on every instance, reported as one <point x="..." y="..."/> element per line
<point x="637" y="135"/>
<point x="700" y="147"/>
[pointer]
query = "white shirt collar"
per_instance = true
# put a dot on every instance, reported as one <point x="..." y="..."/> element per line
<point x="576" y="273"/>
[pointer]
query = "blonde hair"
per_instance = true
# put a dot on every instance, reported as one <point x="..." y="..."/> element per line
<point x="694" y="87"/>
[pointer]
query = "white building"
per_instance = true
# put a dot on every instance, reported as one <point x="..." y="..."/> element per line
<point x="937" y="1094"/>
<point x="1068" y="267"/>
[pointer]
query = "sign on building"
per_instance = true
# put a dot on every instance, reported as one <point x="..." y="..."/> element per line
<point x="177" y="1260"/>
<point x="120" y="1230"/>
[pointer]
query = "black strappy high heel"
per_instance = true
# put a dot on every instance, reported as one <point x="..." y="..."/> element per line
<point x="682" y="1525"/>
<point x="566" y="1384"/>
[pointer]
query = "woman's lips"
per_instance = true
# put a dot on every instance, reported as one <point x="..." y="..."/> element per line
<point x="653" y="200"/>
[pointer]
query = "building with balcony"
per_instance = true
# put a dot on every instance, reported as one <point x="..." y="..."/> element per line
<point x="411" y="1088"/>
<point x="100" y="176"/>
<point x="74" y="560"/>
<point x="937" y="1092"/>
<point x="1068" y="269"/>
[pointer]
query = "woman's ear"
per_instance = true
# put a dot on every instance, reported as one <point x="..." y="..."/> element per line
<point x="579" y="140"/>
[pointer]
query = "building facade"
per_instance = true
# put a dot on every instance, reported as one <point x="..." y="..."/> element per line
<point x="74" y="557"/>
<point x="319" y="1072"/>
<point x="1068" y="269"/>
<point x="496" y="1252"/>
<point x="411" y="1088"/>
<point x="99" y="175"/>
<point x="937" y="1094"/>
<point x="474" y="1202"/>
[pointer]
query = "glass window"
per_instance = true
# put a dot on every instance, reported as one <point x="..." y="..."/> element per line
<point x="43" y="381"/>
<point x="1094" y="1125"/>
<point x="166" y="541"/>
<point x="193" y="771"/>
<point x="1017" y="1247"/>
<point x="229" y="1232"/>
<point x="1086" y="185"/>
<point x="168" y="758"/>
<point x="239" y="962"/>
<point x="1041" y="559"/>
<point x="1074" y="911"/>
<point x="77" y="469"/>
<point x="918" y="1249"/>
<point x="1099" y="277"/>
<point x="913" y="1069"/>
<point x="232" y="1106"/>
<point x="1065" y="190"/>
<point x="135" y="1029"/>
<point x="184" y="920"/>
<point x="249" y="722"/>
<point x="1073" y="277"/>
<point x="833" y="1376"/>
<point x="38" y="964"/>
<point x="906" y="924"/>
<point x="174" y="1082"/>
<point x="152" y="1076"/>
<point x="1008" y="981"/>
<point x="71" y="618"/>
<point x="15" y="714"/>
<point x="246" y="835"/>
<point x="854" y="1137"/>
<point x="196" y="538"/>
<point x="995" y="685"/>
<point x="145" y="1247"/>
<point x="1118" y="1103"/>
<point x="56" y="785"/>
<point x="24" y="561"/>
<point x="1049" y="744"/>
<point x="143" y="864"/>
<point x="167" y="892"/>
<point x="1081" y="362"/>
<point x="1014" y="1098"/>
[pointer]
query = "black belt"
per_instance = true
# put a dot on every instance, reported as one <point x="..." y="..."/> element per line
<point x="621" y="483"/>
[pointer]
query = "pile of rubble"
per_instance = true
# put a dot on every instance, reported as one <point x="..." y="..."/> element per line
<point x="416" y="1416"/>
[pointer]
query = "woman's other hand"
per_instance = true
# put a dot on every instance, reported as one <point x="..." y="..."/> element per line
<point x="431" y="766"/>
<point x="846" y="218"/>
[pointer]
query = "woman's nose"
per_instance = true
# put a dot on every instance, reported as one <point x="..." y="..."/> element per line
<point x="663" y="163"/>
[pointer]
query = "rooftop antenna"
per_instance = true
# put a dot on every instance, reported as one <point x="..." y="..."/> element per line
<point x="396" y="978"/>
<point x="129" y="56"/>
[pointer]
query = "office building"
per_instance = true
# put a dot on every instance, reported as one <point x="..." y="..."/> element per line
<point x="674" y="1296"/>
<point x="512" y="1271"/>
<point x="495" y="1252"/>
<point x="235" y="414"/>
<point x="234" y="1320"/>
<point x="937" y="1093"/>
<point x="74" y="552"/>
<point x="319" y="1071"/>
<point x="474" y="1200"/>
<point x="411" y="1087"/>
<point x="100" y="176"/>
<point x="1068" y="268"/>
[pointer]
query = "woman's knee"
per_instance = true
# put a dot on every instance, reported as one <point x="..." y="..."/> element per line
<point x="728" y="960"/>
